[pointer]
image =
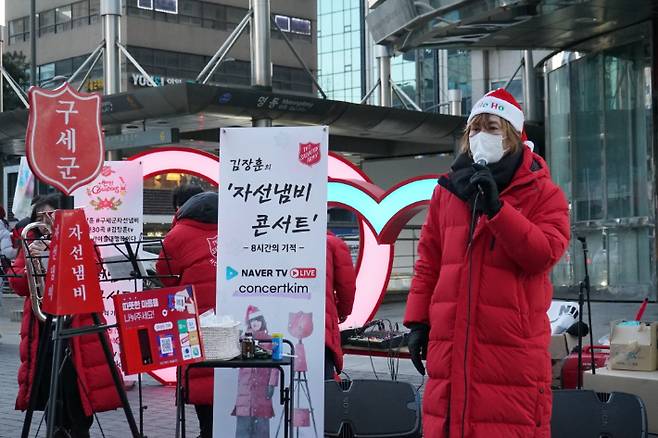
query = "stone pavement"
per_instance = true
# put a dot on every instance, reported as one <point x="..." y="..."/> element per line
<point x="159" y="418"/>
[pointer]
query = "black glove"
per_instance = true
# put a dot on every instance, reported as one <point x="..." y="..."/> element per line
<point x="270" y="392"/>
<point x="417" y="343"/>
<point x="488" y="200"/>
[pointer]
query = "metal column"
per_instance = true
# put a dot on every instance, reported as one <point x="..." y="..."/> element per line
<point x="261" y="62"/>
<point x="33" y="42"/>
<point x="455" y="101"/>
<point x="383" y="54"/>
<point x="111" y="16"/>
<point x="2" y="78"/>
<point x="530" y="86"/>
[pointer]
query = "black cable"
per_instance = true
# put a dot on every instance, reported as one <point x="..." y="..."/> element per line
<point x="469" y="249"/>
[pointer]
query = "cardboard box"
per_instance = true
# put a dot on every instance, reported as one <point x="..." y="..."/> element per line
<point x="644" y="384"/>
<point x="633" y="347"/>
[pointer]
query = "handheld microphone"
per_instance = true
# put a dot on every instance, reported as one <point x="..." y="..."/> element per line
<point x="481" y="162"/>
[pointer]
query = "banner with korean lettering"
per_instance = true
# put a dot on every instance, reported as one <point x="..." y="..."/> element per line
<point x="271" y="271"/>
<point x="113" y="203"/>
<point x="72" y="277"/>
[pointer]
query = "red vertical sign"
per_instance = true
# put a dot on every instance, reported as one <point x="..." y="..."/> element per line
<point x="72" y="285"/>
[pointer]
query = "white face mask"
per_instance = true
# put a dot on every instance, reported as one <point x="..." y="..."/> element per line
<point x="487" y="147"/>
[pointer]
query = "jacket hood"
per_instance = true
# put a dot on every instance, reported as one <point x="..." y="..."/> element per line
<point x="201" y="207"/>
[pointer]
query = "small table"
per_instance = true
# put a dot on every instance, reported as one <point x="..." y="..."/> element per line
<point x="285" y="393"/>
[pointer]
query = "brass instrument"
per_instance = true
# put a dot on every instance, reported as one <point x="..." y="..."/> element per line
<point x="34" y="269"/>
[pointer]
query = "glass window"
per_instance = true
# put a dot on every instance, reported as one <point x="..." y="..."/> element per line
<point x="283" y="22"/>
<point x="18" y="30"/>
<point x="46" y="71"/>
<point x="145" y="4"/>
<point x="94" y="11"/>
<point x="80" y="13"/>
<point x="47" y="22"/>
<point x="190" y="12"/>
<point x="64" y="67"/>
<point x="63" y="18"/>
<point x="586" y="109"/>
<point x="234" y="15"/>
<point x="301" y="26"/>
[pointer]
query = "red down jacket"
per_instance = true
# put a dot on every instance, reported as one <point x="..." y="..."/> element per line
<point x="488" y="362"/>
<point x="95" y="384"/>
<point x="191" y="246"/>
<point x="341" y="286"/>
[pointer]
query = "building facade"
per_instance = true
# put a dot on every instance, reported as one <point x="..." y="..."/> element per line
<point x="172" y="46"/>
<point x="172" y="40"/>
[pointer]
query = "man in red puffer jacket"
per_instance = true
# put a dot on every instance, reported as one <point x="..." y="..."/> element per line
<point x="341" y="286"/>
<point x="191" y="250"/>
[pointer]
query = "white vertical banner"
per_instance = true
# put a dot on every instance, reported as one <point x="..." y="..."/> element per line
<point x="24" y="191"/>
<point x="113" y="204"/>
<point x="271" y="272"/>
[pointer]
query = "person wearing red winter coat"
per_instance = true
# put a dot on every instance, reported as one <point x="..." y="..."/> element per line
<point x="340" y="290"/>
<point x="191" y="250"/>
<point x="478" y="300"/>
<point x="86" y="380"/>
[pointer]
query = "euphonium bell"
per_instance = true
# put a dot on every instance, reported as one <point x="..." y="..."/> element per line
<point x="34" y="268"/>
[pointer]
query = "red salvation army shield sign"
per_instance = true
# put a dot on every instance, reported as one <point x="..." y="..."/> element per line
<point x="64" y="140"/>
<point x="309" y="153"/>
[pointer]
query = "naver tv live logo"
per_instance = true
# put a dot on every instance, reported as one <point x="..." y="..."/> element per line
<point x="231" y="273"/>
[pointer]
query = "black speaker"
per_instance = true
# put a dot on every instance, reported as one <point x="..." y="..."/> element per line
<point x="371" y="409"/>
<point x="587" y="414"/>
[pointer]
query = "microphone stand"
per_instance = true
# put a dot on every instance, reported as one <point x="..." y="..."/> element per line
<point x="584" y="289"/>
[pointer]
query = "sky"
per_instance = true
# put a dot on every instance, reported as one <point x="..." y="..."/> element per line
<point x="2" y="12"/>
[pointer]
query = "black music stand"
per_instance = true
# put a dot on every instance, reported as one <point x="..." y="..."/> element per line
<point x="59" y="335"/>
<point x="584" y="293"/>
<point x="127" y="264"/>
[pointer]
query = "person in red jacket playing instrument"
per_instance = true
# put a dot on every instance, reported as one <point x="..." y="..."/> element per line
<point x="341" y="286"/>
<point x="191" y="249"/>
<point x="479" y="296"/>
<point x="86" y="381"/>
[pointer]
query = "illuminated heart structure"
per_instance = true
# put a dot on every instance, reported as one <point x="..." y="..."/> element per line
<point x="381" y="215"/>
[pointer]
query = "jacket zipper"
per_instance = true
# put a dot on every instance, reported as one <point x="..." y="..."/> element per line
<point x="469" y="254"/>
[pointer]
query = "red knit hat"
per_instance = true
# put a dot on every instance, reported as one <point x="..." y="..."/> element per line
<point x="252" y="313"/>
<point x="502" y="104"/>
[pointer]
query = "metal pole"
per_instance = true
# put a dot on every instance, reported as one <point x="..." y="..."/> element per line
<point x="111" y="14"/>
<point x="455" y="101"/>
<point x="530" y="86"/>
<point x="224" y="49"/>
<point x="261" y="63"/>
<point x="383" y="54"/>
<point x="33" y="42"/>
<point x="2" y="78"/>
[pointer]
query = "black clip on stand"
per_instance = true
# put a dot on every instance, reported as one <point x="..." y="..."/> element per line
<point x="59" y="335"/>
<point x="584" y="289"/>
<point x="129" y="255"/>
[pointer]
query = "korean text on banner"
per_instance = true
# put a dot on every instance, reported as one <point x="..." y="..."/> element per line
<point x="271" y="270"/>
<point x="113" y="203"/>
<point x="72" y="276"/>
<point x="158" y="329"/>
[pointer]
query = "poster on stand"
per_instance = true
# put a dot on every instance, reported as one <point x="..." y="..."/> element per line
<point x="113" y="204"/>
<point x="158" y="328"/>
<point x="271" y="271"/>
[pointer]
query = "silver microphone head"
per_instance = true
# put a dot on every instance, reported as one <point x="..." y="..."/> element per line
<point x="482" y="162"/>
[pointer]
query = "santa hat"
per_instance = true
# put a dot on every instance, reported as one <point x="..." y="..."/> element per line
<point x="252" y="313"/>
<point x="502" y="104"/>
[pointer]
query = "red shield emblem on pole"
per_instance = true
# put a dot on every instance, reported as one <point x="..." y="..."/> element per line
<point x="309" y="153"/>
<point x="64" y="140"/>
